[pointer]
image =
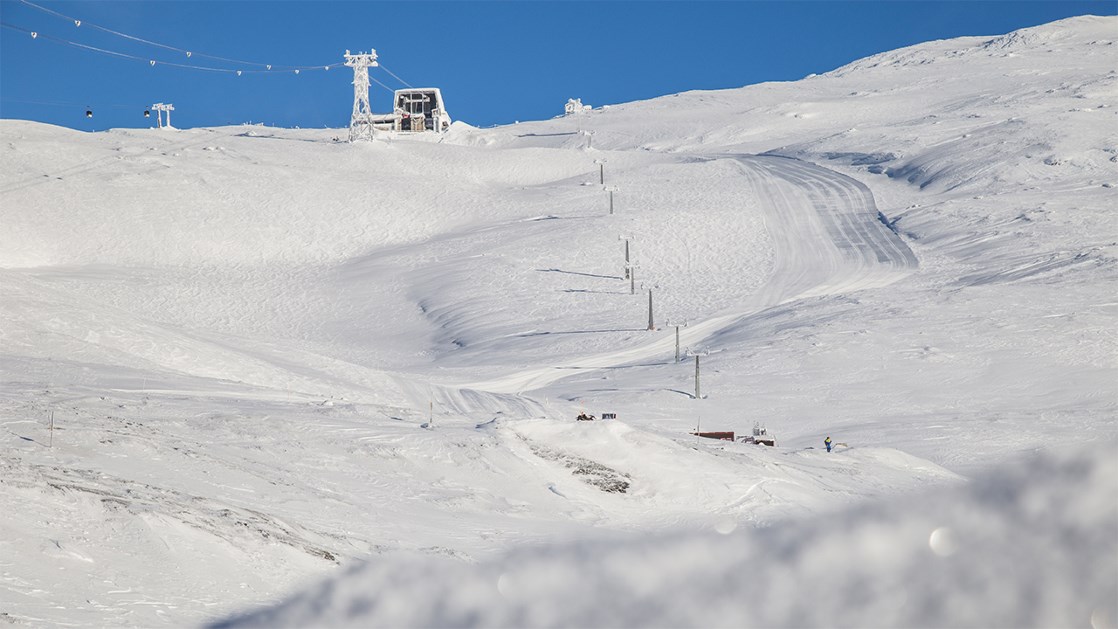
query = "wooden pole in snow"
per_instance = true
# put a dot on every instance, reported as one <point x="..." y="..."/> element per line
<point x="651" y="326"/>
<point x="51" y="442"/>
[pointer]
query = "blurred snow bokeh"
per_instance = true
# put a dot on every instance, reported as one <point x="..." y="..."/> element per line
<point x="1031" y="545"/>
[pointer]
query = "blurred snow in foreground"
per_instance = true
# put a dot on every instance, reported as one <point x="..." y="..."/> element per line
<point x="1030" y="545"/>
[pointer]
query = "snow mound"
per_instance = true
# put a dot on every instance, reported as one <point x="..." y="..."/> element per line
<point x="1030" y="546"/>
<point x="1046" y="38"/>
<point x="739" y="483"/>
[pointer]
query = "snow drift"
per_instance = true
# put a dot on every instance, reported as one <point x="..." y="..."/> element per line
<point x="1032" y="545"/>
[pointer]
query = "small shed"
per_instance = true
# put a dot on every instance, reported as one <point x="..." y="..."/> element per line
<point x="722" y="435"/>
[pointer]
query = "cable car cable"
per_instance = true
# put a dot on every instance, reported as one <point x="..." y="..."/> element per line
<point x="396" y="77"/>
<point x="382" y="85"/>
<point x="154" y="62"/>
<point x="188" y="53"/>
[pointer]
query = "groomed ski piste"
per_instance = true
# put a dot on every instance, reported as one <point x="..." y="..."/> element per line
<point x="302" y="382"/>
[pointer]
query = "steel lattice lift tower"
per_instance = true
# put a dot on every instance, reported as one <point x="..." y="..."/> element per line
<point x="361" y="123"/>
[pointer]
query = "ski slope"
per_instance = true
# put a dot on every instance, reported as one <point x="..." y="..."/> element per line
<point x="272" y="358"/>
<point x="827" y="238"/>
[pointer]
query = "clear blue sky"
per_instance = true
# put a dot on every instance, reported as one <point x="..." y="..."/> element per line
<point x="496" y="62"/>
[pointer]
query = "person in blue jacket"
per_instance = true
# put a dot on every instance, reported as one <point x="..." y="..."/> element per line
<point x="827" y="442"/>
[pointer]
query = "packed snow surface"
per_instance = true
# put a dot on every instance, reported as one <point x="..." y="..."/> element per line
<point x="271" y="357"/>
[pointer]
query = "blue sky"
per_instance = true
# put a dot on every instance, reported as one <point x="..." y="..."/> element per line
<point x="496" y="62"/>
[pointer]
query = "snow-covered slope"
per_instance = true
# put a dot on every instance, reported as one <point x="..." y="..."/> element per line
<point x="1015" y="549"/>
<point x="241" y="333"/>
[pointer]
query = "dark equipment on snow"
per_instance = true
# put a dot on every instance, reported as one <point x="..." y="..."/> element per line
<point x="583" y="417"/>
<point x="760" y="436"/>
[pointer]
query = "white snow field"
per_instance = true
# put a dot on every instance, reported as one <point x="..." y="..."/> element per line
<point x="280" y="363"/>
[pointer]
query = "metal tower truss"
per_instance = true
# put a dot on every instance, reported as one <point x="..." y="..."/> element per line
<point x="361" y="122"/>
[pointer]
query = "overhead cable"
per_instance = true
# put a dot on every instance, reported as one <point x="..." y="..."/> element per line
<point x="189" y="54"/>
<point x="154" y="62"/>
<point x="381" y="84"/>
<point x="266" y="67"/>
<point x="406" y="84"/>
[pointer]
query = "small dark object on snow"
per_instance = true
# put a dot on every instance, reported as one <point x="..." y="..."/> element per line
<point x="724" y="436"/>
<point x="583" y="417"/>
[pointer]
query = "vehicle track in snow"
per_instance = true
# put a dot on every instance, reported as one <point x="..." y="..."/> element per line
<point x="828" y="240"/>
<point x="826" y="231"/>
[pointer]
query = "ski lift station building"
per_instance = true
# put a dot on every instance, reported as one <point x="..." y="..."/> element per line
<point x="415" y="109"/>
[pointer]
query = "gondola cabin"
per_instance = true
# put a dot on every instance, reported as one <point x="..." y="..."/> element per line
<point x="416" y="109"/>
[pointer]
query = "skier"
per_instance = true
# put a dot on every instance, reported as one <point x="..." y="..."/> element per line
<point x="827" y="442"/>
